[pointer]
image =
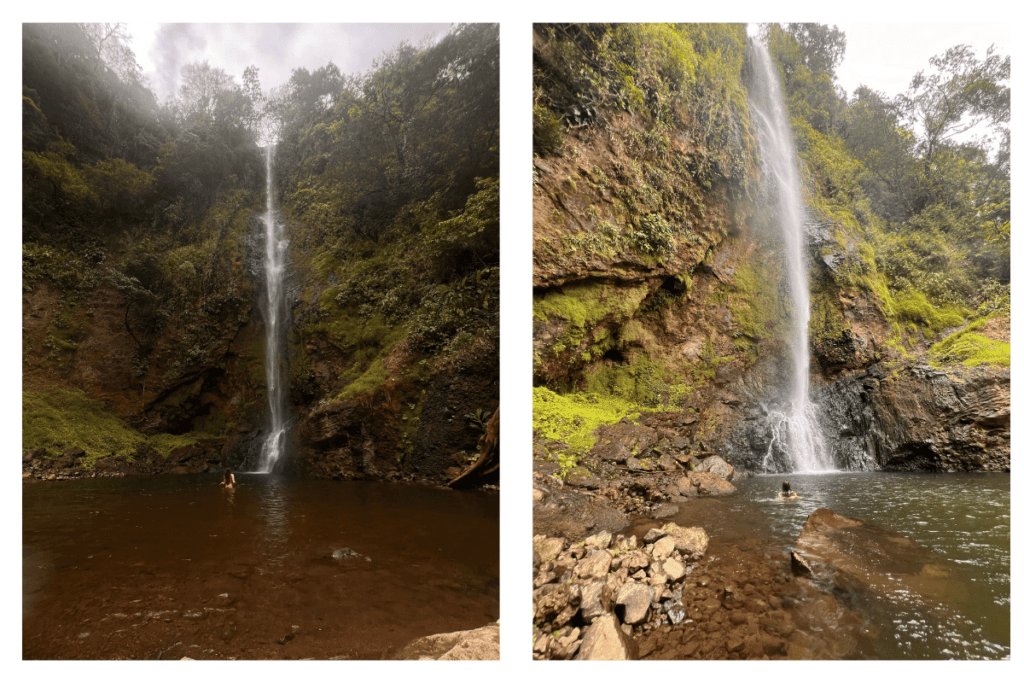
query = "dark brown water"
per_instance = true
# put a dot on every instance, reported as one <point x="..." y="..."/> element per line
<point x="175" y="566"/>
<point x="962" y="520"/>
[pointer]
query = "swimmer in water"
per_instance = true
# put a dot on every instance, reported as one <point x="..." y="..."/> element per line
<point x="229" y="479"/>
<point x="787" y="493"/>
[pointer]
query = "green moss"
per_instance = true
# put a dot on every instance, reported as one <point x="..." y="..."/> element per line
<point x="56" y="420"/>
<point x="368" y="381"/>
<point x="971" y="348"/>
<point x="572" y="418"/>
<point x="582" y="305"/>
<point x="913" y="307"/>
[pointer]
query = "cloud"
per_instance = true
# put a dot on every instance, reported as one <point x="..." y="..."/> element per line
<point x="276" y="49"/>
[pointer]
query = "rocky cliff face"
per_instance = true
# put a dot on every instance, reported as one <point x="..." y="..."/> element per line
<point x="659" y="283"/>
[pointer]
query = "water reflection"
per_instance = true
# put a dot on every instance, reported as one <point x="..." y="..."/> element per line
<point x="274" y="498"/>
<point x="962" y="518"/>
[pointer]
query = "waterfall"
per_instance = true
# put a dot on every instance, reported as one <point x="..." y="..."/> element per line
<point x="274" y="313"/>
<point x="796" y="440"/>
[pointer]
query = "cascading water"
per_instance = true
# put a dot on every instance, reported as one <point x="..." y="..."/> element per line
<point x="796" y="442"/>
<point x="274" y="314"/>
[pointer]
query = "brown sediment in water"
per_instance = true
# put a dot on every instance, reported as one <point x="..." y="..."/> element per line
<point x="147" y="584"/>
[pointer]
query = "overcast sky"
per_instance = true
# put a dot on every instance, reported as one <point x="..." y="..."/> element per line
<point x="162" y="49"/>
<point x="886" y="56"/>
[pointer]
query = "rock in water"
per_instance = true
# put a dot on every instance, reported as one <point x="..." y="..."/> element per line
<point x="716" y="465"/>
<point x="481" y="644"/>
<point x="857" y="555"/>
<point x="710" y="484"/>
<point x="605" y="641"/>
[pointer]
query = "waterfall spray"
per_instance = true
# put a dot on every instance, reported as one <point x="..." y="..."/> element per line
<point x="274" y="318"/>
<point x="796" y="442"/>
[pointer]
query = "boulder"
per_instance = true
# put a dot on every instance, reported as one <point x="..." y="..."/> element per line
<point x="599" y="541"/>
<point x="691" y="542"/>
<point x="595" y="601"/>
<point x="664" y="547"/>
<point x="547" y="548"/>
<point x="480" y="644"/>
<point x="673" y="569"/>
<point x="685" y="487"/>
<point x="605" y="641"/>
<point x="557" y="603"/>
<point x="853" y="554"/>
<point x="635" y="600"/>
<point x="710" y="484"/>
<point x="716" y="465"/>
<point x="619" y="442"/>
<point x="595" y="565"/>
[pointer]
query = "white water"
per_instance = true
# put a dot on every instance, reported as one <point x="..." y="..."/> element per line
<point x="797" y="444"/>
<point x="273" y="319"/>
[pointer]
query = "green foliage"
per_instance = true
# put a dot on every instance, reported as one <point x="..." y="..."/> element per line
<point x="547" y="131"/>
<point x="653" y="236"/>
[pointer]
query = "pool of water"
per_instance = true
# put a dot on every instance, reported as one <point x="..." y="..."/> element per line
<point x="964" y="519"/>
<point x="283" y="568"/>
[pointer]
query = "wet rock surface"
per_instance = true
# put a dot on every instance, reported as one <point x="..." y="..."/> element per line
<point x="853" y="555"/>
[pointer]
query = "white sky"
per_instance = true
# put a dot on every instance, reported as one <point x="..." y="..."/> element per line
<point x="885" y="57"/>
<point x="277" y="49"/>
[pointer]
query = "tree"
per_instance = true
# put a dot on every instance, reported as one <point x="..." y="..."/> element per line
<point x="202" y="89"/>
<point x="961" y="95"/>
<point x="111" y="43"/>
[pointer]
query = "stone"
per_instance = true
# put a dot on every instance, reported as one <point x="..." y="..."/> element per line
<point x="480" y="644"/>
<point x="618" y="442"/>
<point x="581" y="478"/>
<point x="855" y="554"/>
<point x="673" y="570"/>
<point x="664" y="511"/>
<point x="635" y="599"/>
<point x="657" y="576"/>
<point x="543" y="578"/>
<point x="664" y="548"/>
<point x="604" y="641"/>
<point x="710" y="484"/>
<point x="716" y="465"/>
<point x="799" y="565"/>
<point x="557" y="603"/>
<point x="547" y="548"/>
<point x="685" y="487"/>
<point x="654" y="535"/>
<point x="667" y="462"/>
<point x="564" y="647"/>
<point x="675" y="611"/>
<point x="595" y="566"/>
<point x="599" y="541"/>
<point x="691" y="542"/>
<point x="595" y="601"/>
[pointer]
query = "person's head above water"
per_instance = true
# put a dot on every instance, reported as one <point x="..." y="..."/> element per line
<point x="227" y="475"/>
<point x="785" y="487"/>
